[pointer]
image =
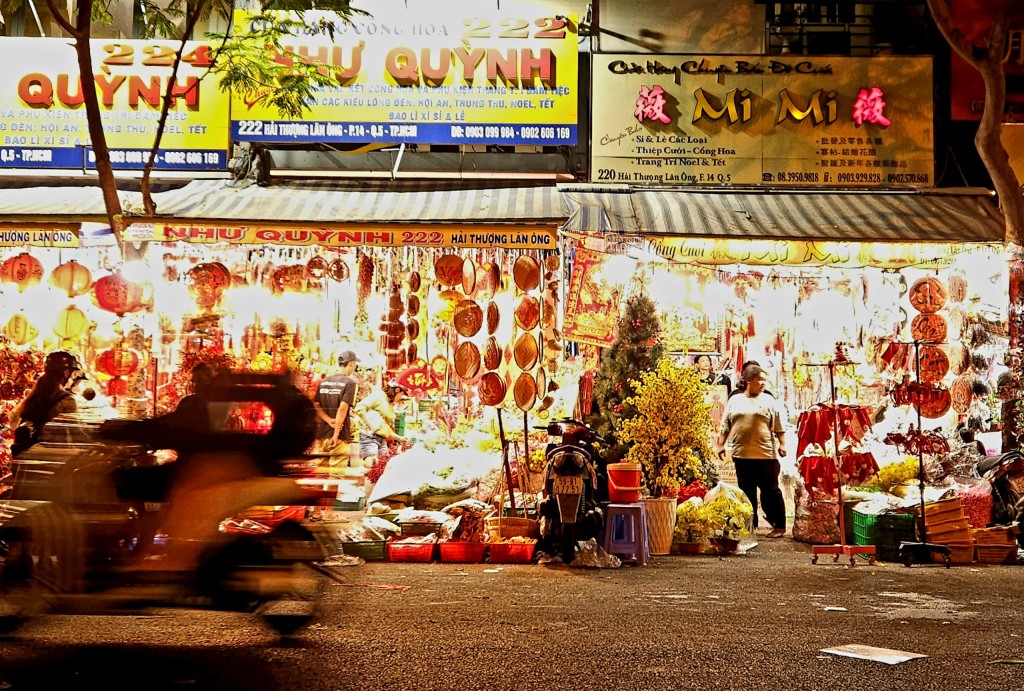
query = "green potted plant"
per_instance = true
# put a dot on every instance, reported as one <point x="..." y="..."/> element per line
<point x="668" y="437"/>
<point x="693" y="526"/>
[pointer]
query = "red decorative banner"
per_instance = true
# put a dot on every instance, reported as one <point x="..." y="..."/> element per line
<point x="592" y="306"/>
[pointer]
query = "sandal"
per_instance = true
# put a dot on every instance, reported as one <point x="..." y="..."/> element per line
<point x="778" y="532"/>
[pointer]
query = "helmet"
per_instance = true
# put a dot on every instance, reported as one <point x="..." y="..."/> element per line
<point x="60" y="360"/>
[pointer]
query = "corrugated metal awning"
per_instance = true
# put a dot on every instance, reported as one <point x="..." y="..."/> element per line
<point x="376" y="201"/>
<point x="966" y="215"/>
<point x="85" y="202"/>
<point x="317" y="201"/>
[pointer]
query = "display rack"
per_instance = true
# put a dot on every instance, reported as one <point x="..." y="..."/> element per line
<point x="841" y="549"/>
<point x="909" y="552"/>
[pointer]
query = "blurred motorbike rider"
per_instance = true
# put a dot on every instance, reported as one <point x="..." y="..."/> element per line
<point x="217" y="474"/>
<point x="51" y="396"/>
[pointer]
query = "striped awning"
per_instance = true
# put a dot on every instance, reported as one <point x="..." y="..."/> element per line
<point x="317" y="201"/>
<point x="962" y="215"/>
<point x="353" y="201"/>
<point x="85" y="202"/>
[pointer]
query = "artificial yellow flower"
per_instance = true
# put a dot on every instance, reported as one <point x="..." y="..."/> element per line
<point x="669" y="434"/>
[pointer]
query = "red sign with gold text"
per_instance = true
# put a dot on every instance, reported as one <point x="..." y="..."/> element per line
<point x="592" y="307"/>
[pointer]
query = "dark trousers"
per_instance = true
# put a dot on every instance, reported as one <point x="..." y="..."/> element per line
<point x="754" y="474"/>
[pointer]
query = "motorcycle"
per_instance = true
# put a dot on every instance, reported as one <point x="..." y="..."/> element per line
<point x="569" y="511"/>
<point x="1005" y="472"/>
<point x="71" y="540"/>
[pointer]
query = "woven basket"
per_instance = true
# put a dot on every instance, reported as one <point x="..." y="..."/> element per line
<point x="512" y="527"/>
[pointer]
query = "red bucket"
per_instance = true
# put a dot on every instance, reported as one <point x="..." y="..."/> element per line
<point x="625" y="480"/>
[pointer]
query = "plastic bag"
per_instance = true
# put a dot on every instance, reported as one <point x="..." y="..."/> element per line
<point x="975" y="494"/>
<point x="730" y="512"/>
<point x="817" y="519"/>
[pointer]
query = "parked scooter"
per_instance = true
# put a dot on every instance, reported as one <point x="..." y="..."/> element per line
<point x="1006" y="474"/>
<point x="569" y="511"/>
<point x="71" y="547"/>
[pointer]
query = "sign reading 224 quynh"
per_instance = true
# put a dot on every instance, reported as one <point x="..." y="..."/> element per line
<point x="42" y="116"/>
<point x="469" y="76"/>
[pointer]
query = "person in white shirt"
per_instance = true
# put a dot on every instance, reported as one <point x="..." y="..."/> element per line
<point x="752" y="431"/>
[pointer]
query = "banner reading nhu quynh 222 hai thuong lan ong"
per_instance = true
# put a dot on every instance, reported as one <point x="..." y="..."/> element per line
<point x="485" y="76"/>
<point x="42" y="116"/>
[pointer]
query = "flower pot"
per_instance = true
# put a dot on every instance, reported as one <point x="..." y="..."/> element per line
<point x="661" y="524"/>
<point x="688" y="547"/>
<point x="725" y="545"/>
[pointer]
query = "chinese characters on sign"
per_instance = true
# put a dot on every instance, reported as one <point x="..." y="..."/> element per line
<point x="651" y="105"/>
<point x="869" y="106"/>
<point x="696" y="120"/>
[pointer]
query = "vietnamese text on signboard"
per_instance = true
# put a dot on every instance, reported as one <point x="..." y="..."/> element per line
<point x="42" y="117"/>
<point x="454" y="76"/>
<point x="722" y="251"/>
<point x="775" y="120"/>
<point x="515" y="237"/>
<point x="14" y="235"/>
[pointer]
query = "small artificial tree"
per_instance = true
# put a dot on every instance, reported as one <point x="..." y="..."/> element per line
<point x="637" y="349"/>
<point x="668" y="435"/>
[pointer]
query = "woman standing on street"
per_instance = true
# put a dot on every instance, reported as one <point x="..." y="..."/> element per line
<point x="752" y="431"/>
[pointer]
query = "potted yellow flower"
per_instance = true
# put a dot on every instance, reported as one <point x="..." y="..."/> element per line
<point x="730" y="514"/>
<point x="693" y="525"/>
<point x="667" y="437"/>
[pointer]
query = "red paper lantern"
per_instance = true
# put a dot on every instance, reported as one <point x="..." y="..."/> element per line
<point x="117" y="387"/>
<point x="71" y="277"/>
<point x="117" y="362"/>
<point x="207" y="282"/>
<point x="71" y="323"/>
<point x="115" y="293"/>
<point x="23" y="270"/>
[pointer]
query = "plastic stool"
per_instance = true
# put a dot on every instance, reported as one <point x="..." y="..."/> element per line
<point x="625" y="532"/>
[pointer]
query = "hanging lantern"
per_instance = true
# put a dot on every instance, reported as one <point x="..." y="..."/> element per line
<point x="115" y="293"/>
<point x="117" y="387"/>
<point x="117" y="362"/>
<point x="71" y="323"/>
<point x="19" y="329"/>
<point x="207" y="282"/>
<point x="71" y="277"/>
<point x="23" y="270"/>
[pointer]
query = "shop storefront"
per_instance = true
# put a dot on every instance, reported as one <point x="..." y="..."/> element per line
<point x="907" y="293"/>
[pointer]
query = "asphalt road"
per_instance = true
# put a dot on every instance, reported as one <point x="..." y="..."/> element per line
<point x="753" y="621"/>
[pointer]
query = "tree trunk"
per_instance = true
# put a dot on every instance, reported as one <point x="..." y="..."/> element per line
<point x="104" y="170"/>
<point x="987" y="141"/>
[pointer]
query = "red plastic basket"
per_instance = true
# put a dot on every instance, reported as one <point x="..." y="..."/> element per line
<point x="462" y="552"/>
<point x="411" y="551"/>
<point x="512" y="552"/>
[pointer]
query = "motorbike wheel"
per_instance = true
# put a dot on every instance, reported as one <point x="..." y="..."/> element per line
<point x="568" y="547"/>
<point x="290" y="612"/>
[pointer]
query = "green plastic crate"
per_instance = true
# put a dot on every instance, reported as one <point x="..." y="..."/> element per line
<point x="369" y="550"/>
<point x="885" y="531"/>
<point x="357" y="505"/>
